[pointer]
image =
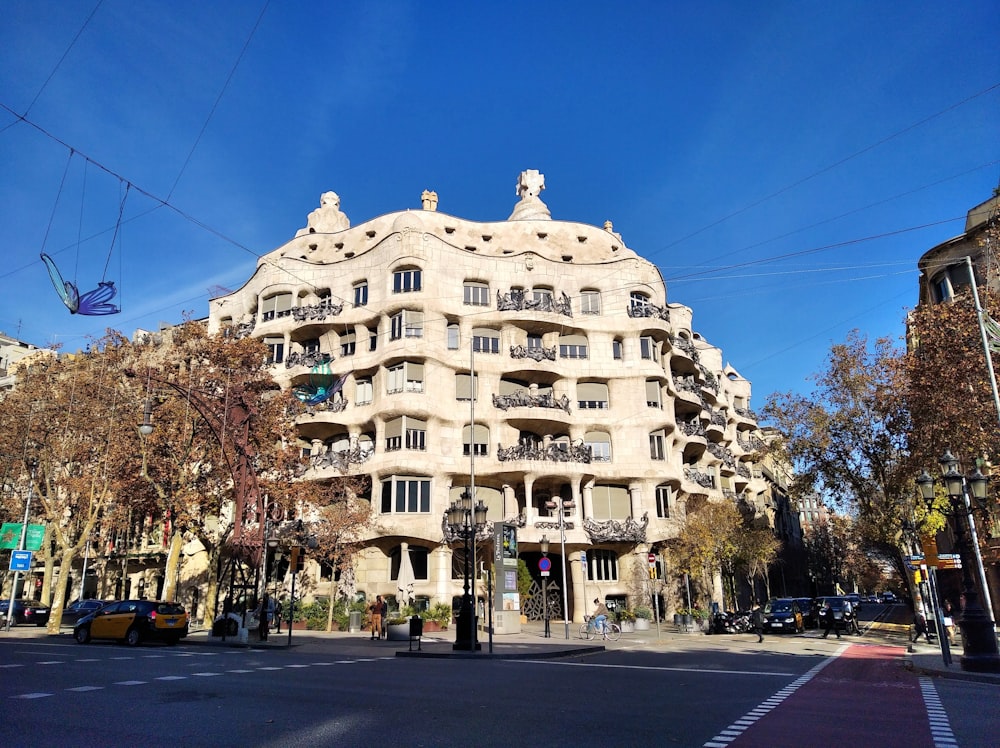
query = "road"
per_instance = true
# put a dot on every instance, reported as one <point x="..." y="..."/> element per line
<point x="715" y="691"/>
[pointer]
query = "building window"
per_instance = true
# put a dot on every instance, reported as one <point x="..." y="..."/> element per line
<point x="616" y="350"/>
<point x="656" y="440"/>
<point x="453" y="337"/>
<point x="310" y="347"/>
<point x="363" y="391"/>
<point x="573" y="346"/>
<point x="405" y="281"/>
<point x="592" y="396"/>
<point x="611" y="502"/>
<point x="590" y="302"/>
<point x="475" y="440"/>
<point x="361" y="293"/>
<point x="276" y="349"/>
<point x="476" y="294"/>
<point x="466" y="387"/>
<point x="485" y="340"/>
<point x="600" y="445"/>
<point x="418" y="562"/>
<point x="279" y="305"/>
<point x="407" y="376"/>
<point x="406" y="324"/>
<point x="648" y="348"/>
<point x="664" y="500"/>
<point x="541" y="295"/>
<point x="534" y="341"/>
<point x="403" y="494"/>
<point x="653" y="394"/>
<point x="348" y="344"/>
<point x="602" y="565"/>
<point x="405" y="432"/>
<point x="372" y="338"/>
<point x="638" y="301"/>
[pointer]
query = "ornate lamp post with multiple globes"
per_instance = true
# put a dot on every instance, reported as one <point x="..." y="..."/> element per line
<point x="978" y="636"/>
<point x="465" y="521"/>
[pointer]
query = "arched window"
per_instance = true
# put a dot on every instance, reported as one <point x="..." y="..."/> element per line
<point x="590" y="302"/>
<point x="602" y="565"/>
<point x="406" y="280"/>
<point x="476" y="294"/>
<point x="600" y="445"/>
<point x="485" y="340"/>
<point x="664" y="500"/>
<point x="611" y="502"/>
<point x="278" y="305"/>
<point x="573" y="346"/>
<point x="656" y="445"/>
<point x="403" y="494"/>
<point x="475" y="439"/>
<point x="592" y="396"/>
<point x="653" y="394"/>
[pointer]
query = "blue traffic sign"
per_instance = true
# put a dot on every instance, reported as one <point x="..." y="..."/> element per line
<point x="20" y="560"/>
<point x="545" y="563"/>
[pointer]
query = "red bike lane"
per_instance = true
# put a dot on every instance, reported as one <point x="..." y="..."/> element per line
<point x="863" y="695"/>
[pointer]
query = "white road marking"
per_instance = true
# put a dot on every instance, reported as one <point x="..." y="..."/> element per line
<point x="941" y="732"/>
<point x="31" y="696"/>
<point x="81" y="689"/>
<point x="172" y="677"/>
<point x="131" y="683"/>
<point x="654" y="667"/>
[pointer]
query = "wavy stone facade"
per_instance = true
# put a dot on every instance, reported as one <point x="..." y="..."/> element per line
<point x="589" y="387"/>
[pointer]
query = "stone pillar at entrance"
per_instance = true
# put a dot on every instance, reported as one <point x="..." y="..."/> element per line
<point x="578" y="605"/>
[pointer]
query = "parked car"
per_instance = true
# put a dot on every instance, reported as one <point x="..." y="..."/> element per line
<point x="25" y="611"/>
<point x="889" y="598"/>
<point x="133" y="622"/>
<point x="809" y="612"/>
<point x="77" y="609"/>
<point x="855" y="599"/>
<point x="783" y="614"/>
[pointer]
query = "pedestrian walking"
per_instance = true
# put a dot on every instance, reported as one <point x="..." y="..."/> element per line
<point x="375" y="611"/>
<point x="949" y="622"/>
<point x="831" y="622"/>
<point x="264" y="612"/>
<point x="277" y="614"/>
<point x="920" y="626"/>
<point x="757" y="617"/>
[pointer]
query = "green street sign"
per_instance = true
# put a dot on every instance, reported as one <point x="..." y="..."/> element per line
<point x="10" y="536"/>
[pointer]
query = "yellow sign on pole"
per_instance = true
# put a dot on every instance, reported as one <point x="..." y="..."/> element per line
<point x="929" y="545"/>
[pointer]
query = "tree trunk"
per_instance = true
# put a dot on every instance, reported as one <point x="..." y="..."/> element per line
<point x="212" y="584"/>
<point x="172" y="566"/>
<point x="55" y="612"/>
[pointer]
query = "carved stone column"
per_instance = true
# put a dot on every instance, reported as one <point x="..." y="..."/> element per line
<point x="588" y="500"/>
<point x="578" y="604"/>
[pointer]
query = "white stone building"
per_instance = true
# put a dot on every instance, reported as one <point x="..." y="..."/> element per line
<point x="589" y="387"/>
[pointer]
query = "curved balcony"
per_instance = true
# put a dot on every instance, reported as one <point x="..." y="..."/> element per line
<point x="519" y="301"/>
<point x="527" y="400"/>
<point x="552" y="453"/>
<point x="616" y="531"/>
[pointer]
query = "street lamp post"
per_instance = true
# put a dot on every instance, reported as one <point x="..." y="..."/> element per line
<point x="22" y="544"/>
<point x="544" y="544"/>
<point x="979" y="639"/>
<point x="562" y="506"/>
<point x="464" y="521"/>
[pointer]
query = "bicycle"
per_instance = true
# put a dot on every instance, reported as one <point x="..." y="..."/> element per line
<point x="609" y="631"/>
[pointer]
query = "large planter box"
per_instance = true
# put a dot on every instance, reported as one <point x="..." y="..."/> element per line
<point x="641" y="624"/>
<point x="627" y="627"/>
<point x="398" y="632"/>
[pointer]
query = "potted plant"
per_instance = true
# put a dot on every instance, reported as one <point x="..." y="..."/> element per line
<point x="397" y="628"/>
<point x="642" y="616"/>
<point x="437" y="617"/>
<point x="626" y="620"/>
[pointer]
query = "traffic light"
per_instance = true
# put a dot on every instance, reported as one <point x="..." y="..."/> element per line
<point x="917" y="576"/>
<point x="298" y="558"/>
<point x="652" y="572"/>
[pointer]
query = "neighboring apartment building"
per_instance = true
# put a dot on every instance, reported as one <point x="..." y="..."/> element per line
<point x="538" y="359"/>
<point x="14" y="354"/>
<point x="943" y="272"/>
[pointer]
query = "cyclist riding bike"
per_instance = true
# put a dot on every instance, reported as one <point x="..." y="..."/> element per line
<point x="600" y="615"/>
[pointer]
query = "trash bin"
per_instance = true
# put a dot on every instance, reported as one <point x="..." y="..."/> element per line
<point x="416" y="630"/>
<point x="354" y="625"/>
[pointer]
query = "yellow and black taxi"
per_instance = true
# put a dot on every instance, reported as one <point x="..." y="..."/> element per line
<point x="133" y="622"/>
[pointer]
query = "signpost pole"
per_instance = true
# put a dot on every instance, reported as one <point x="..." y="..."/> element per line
<point x="21" y="545"/>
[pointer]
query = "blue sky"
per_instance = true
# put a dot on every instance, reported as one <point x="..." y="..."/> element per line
<point x="785" y="164"/>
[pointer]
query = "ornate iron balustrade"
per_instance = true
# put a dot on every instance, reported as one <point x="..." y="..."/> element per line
<point x="309" y="359"/>
<point x="297" y="407"/>
<point x="746" y="413"/>
<point x="723" y="454"/>
<point x="525" y="400"/>
<point x="692" y="428"/>
<point x="742" y="470"/>
<point x="322" y="310"/>
<point x="534" y="353"/>
<point x="551" y="453"/>
<point x="648" y="310"/>
<point x="696" y="476"/>
<point x="616" y="531"/>
<point x="687" y="384"/>
<point x="550" y="525"/>
<point x="684" y="345"/>
<point x="751" y="444"/>
<point x="342" y="459"/>
<point x="710" y="383"/>
<point x="718" y="418"/>
<point x="517" y="300"/>
<point x="241" y="330"/>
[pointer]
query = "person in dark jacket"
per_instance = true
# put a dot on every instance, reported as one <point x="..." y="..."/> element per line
<point x="920" y="626"/>
<point x="757" y="617"/>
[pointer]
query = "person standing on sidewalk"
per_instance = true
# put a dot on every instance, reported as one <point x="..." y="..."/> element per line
<point x="376" y="617"/>
<point x="831" y="621"/>
<point x="264" y="613"/>
<point x="757" y="618"/>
